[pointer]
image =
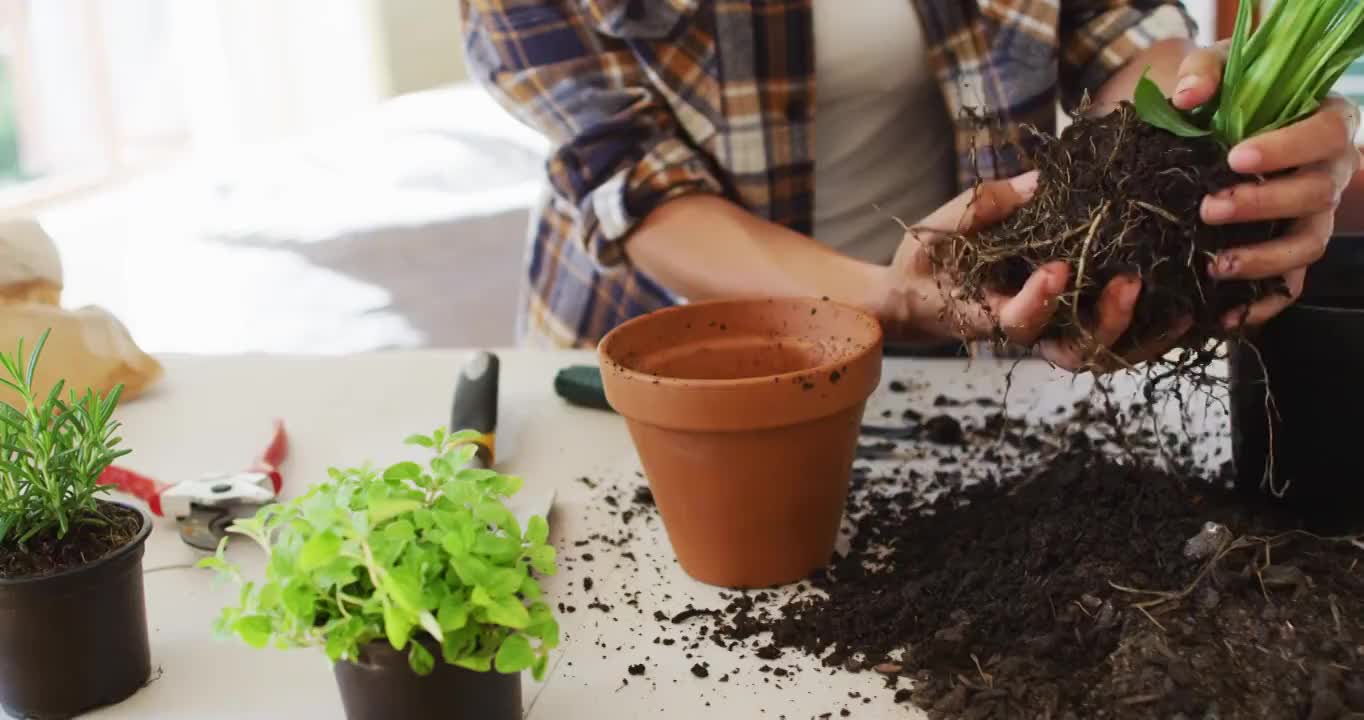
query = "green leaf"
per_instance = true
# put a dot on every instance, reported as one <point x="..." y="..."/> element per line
<point x="420" y="440"/>
<point x="477" y="663"/>
<point x="397" y="626"/>
<point x="537" y="670"/>
<point x="383" y="510"/>
<point x="475" y="475"/>
<point x="300" y="600"/>
<point x="470" y="569"/>
<point x="254" y="630"/>
<point x="458" y="643"/>
<point x="508" y="612"/>
<point x="529" y="588"/>
<point x="500" y="550"/>
<point x="497" y="514"/>
<point x="420" y="660"/>
<point x="542" y="559"/>
<point x="453" y="614"/>
<point x="404" y="589"/>
<point x="505" y="581"/>
<point x="403" y="471"/>
<point x="1156" y="110"/>
<point x="537" y="530"/>
<point x="514" y="656"/>
<point x="318" y="551"/>
<point x="400" y="531"/>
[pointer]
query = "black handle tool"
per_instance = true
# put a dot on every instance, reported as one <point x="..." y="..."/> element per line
<point x="475" y="406"/>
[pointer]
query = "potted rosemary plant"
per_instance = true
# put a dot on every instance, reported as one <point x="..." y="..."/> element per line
<point x="416" y="582"/>
<point x="73" y="624"/>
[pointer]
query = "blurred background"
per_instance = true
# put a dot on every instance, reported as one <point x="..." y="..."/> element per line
<point x="273" y="175"/>
<point x="267" y="175"/>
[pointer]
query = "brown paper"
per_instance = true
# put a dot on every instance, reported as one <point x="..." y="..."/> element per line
<point x="88" y="347"/>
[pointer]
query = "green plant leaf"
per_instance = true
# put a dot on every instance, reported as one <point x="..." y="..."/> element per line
<point x="475" y="475"/>
<point x="470" y="569"/>
<point x="397" y="626"/>
<point x="537" y="530"/>
<point x="537" y="670"/>
<point x="1153" y="107"/>
<point x="318" y="551"/>
<point x="254" y="630"/>
<point x="400" y="531"/>
<point x="403" y="471"/>
<point x="404" y="588"/>
<point x="530" y="589"/>
<point x="499" y="550"/>
<point x="508" y="612"/>
<point x="497" y="514"/>
<point x="505" y="581"/>
<point x="300" y="600"/>
<point x="477" y="663"/>
<point x="420" y="440"/>
<point x="542" y="559"/>
<point x="381" y="511"/>
<point x="514" y="656"/>
<point x="420" y="660"/>
<point x="452" y="614"/>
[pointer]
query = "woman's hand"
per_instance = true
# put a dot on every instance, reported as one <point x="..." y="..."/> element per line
<point x="1321" y="153"/>
<point x="919" y="306"/>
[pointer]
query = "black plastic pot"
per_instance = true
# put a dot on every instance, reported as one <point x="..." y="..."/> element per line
<point x="76" y="640"/>
<point x="1313" y="353"/>
<point x="382" y="687"/>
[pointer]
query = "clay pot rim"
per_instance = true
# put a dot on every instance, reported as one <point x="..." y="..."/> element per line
<point x="875" y="336"/>
<point x="130" y="546"/>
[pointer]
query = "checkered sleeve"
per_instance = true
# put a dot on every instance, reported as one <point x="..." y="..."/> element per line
<point x="1099" y="37"/>
<point x="618" y="152"/>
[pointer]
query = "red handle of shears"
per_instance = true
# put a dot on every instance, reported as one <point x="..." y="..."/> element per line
<point x="139" y="486"/>
<point x="149" y="491"/>
<point x="270" y="460"/>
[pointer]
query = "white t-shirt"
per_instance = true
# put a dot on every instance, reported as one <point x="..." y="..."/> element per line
<point x="883" y="138"/>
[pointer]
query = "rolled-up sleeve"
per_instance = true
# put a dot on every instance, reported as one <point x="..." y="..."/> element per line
<point x="618" y="151"/>
<point x="1099" y="37"/>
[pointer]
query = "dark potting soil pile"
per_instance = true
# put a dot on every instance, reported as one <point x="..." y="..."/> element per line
<point x="1089" y="589"/>
<point x="1117" y="196"/>
<point x="86" y="542"/>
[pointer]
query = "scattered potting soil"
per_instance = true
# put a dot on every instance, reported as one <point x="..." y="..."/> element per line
<point x="1032" y="569"/>
<point x="1091" y="588"/>
<point x="1117" y="196"/>
<point x="87" y="541"/>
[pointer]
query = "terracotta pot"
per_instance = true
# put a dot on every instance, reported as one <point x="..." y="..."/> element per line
<point x="76" y="640"/>
<point x="382" y="686"/>
<point x="745" y="414"/>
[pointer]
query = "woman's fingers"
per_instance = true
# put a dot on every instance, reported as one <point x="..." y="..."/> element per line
<point x="1294" y="196"/>
<point x="1023" y="317"/>
<point x="1199" y="76"/>
<point x="1326" y="135"/>
<point x="1115" y="306"/>
<point x="1262" y="311"/>
<point x="982" y="206"/>
<point x="1305" y="244"/>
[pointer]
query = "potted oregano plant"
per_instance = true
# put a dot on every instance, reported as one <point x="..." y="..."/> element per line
<point x="418" y="583"/>
<point x="73" y="623"/>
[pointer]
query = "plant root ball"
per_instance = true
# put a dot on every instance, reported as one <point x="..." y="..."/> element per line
<point x="1117" y="196"/>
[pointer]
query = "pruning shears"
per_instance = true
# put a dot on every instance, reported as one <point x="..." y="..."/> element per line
<point x="203" y="508"/>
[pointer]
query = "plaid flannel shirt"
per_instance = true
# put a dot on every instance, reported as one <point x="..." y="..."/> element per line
<point x="647" y="100"/>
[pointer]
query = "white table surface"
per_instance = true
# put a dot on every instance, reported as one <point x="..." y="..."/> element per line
<point x="214" y="414"/>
